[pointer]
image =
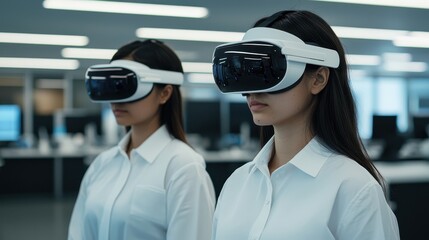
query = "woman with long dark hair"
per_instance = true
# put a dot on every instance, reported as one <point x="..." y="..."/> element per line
<point x="313" y="178"/>
<point x="153" y="185"/>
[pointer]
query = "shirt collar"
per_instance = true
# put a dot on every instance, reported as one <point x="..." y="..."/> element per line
<point x="309" y="160"/>
<point x="160" y="138"/>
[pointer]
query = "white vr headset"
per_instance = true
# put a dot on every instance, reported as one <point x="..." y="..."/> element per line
<point x="266" y="60"/>
<point x="125" y="81"/>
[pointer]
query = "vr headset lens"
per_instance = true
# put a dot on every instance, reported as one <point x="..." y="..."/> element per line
<point x="248" y="66"/>
<point x="110" y="84"/>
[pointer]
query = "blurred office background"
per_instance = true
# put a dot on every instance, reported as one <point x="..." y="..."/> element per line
<point x="50" y="131"/>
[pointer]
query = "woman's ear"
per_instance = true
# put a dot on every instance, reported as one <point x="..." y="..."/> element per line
<point x="165" y="93"/>
<point x="321" y="77"/>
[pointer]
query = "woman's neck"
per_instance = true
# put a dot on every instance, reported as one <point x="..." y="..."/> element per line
<point x="288" y="141"/>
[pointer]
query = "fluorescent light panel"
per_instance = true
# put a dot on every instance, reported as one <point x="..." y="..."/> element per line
<point x="44" y="39"/>
<point x="399" y="37"/>
<point x="97" y="53"/>
<point x="197" y="67"/>
<point x="367" y="33"/>
<point x="413" y="39"/>
<point x="396" y="57"/>
<point x="370" y="60"/>
<point x="405" y="66"/>
<point x="389" y="3"/>
<point x="100" y="53"/>
<point x="189" y="35"/>
<point x="205" y="78"/>
<point x="88" y="53"/>
<point x="38" y="63"/>
<point x="128" y="8"/>
<point x="357" y="73"/>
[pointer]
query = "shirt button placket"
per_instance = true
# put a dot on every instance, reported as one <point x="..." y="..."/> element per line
<point x="262" y="219"/>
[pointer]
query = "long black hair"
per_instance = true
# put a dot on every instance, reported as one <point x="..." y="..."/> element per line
<point x="334" y="118"/>
<point x="156" y="55"/>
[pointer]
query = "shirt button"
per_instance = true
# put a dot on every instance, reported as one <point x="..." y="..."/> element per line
<point x="267" y="202"/>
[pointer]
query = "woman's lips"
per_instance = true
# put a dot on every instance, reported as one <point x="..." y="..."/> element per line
<point x="119" y="112"/>
<point x="256" y="105"/>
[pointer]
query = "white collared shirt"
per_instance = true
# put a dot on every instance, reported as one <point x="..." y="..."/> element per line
<point x="161" y="192"/>
<point x="318" y="195"/>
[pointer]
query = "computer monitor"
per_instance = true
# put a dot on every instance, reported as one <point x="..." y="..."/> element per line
<point x="45" y="122"/>
<point x="77" y="122"/>
<point x="10" y="123"/>
<point x="420" y="126"/>
<point x="203" y="117"/>
<point x="384" y="126"/>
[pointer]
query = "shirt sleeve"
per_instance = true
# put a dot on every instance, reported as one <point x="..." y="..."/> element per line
<point x="190" y="204"/>
<point x="368" y="217"/>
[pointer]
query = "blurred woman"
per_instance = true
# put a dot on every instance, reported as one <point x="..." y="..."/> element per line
<point x="152" y="185"/>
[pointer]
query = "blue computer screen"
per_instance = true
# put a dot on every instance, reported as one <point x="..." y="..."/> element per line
<point x="10" y="122"/>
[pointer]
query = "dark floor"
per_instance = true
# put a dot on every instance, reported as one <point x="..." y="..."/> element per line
<point x="34" y="217"/>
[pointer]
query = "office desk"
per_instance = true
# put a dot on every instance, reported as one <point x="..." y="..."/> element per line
<point x="407" y="188"/>
<point x="58" y="156"/>
<point x="393" y="172"/>
<point x="404" y="171"/>
<point x="230" y="155"/>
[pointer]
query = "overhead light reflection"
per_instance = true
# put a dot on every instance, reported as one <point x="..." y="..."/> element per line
<point x="405" y="66"/>
<point x="367" y="33"/>
<point x="89" y="53"/>
<point x="38" y="63"/>
<point x="44" y="39"/>
<point x="371" y="60"/>
<point x="189" y="35"/>
<point x="197" y="67"/>
<point x="205" y="78"/>
<point x="388" y="3"/>
<point x="128" y="8"/>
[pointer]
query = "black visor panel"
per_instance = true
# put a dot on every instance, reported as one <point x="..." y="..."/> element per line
<point x="249" y="66"/>
<point x="104" y="84"/>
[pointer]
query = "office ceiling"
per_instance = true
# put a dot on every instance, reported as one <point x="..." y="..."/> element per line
<point x="110" y="30"/>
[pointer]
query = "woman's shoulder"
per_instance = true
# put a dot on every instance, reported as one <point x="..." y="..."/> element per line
<point x="347" y="173"/>
<point x="181" y="153"/>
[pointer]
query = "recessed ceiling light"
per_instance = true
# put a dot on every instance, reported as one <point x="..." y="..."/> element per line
<point x="101" y="53"/>
<point x="199" y="67"/>
<point x="389" y="3"/>
<point x="128" y="8"/>
<point x="89" y="53"/>
<point x="38" y="63"/>
<point x="371" y="60"/>
<point x="44" y="39"/>
<point x="400" y="38"/>
<point x="397" y="57"/>
<point x="189" y="35"/>
<point x="413" y="39"/>
<point x="405" y="66"/>
<point x="355" y="73"/>
<point x="200" y="78"/>
<point x="367" y="33"/>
